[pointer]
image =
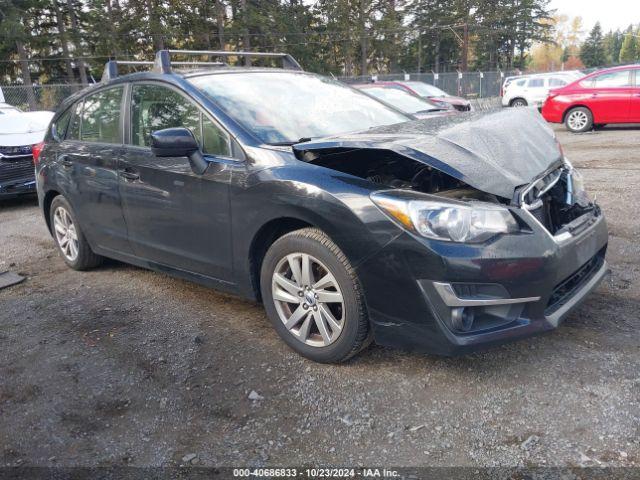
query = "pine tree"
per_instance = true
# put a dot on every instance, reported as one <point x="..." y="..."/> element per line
<point x="593" y="52"/>
<point x="630" y="50"/>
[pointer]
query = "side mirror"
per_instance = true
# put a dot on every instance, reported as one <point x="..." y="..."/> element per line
<point x="179" y="142"/>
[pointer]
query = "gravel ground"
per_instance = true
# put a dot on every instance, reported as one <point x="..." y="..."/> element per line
<point x="122" y="366"/>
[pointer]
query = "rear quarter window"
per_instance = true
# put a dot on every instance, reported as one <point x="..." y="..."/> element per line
<point x="73" y="130"/>
<point x="59" y="127"/>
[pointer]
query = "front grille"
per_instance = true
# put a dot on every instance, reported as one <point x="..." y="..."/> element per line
<point x="16" y="168"/>
<point x="13" y="151"/>
<point x="563" y="292"/>
<point x="462" y="108"/>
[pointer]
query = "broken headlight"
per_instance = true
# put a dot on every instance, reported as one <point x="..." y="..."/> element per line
<point x="447" y="220"/>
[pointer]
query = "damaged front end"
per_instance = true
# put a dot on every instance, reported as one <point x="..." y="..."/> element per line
<point x="558" y="202"/>
<point x="507" y="159"/>
<point x="504" y="242"/>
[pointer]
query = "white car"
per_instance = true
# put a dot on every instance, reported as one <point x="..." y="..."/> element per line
<point x="533" y="89"/>
<point x="19" y="131"/>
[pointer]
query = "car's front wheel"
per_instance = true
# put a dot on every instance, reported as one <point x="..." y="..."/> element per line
<point x="313" y="298"/>
<point x="70" y="240"/>
<point x="579" y="120"/>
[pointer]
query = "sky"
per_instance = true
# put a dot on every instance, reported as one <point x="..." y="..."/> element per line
<point x="612" y="14"/>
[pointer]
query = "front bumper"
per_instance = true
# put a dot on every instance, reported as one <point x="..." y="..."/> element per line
<point x="14" y="188"/>
<point x="541" y="279"/>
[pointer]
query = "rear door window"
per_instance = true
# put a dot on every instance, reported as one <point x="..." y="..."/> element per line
<point x="536" y="83"/>
<point x="557" y="82"/>
<point x="619" y="79"/>
<point x="101" y="117"/>
<point x="154" y="107"/>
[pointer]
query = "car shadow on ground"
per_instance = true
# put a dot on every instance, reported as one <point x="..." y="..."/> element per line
<point x="18" y="202"/>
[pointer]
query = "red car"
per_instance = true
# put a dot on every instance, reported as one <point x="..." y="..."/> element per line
<point x="431" y="93"/>
<point x="606" y="96"/>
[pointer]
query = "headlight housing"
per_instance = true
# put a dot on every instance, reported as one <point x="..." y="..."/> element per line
<point x="448" y="220"/>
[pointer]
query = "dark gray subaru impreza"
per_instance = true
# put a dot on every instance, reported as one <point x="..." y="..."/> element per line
<point x="349" y="222"/>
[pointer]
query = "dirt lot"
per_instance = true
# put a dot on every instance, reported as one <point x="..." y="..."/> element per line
<point x="121" y="366"/>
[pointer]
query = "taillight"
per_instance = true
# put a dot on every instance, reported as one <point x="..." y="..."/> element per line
<point x="35" y="151"/>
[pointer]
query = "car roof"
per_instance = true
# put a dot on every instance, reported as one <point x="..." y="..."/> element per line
<point x="616" y="68"/>
<point x="175" y="77"/>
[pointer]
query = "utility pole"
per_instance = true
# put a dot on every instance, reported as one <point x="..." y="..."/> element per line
<point x="465" y="47"/>
<point x="419" y="52"/>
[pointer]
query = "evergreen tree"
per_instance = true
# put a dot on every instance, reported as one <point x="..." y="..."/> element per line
<point x="630" y="49"/>
<point x="613" y="43"/>
<point x="593" y="52"/>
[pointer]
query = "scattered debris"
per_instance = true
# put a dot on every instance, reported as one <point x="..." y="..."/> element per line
<point x="255" y="396"/>
<point x="9" y="278"/>
<point x="529" y="442"/>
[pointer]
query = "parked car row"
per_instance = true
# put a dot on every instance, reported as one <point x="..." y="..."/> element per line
<point x="349" y="220"/>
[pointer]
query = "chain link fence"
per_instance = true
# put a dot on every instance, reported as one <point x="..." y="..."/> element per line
<point x="482" y="88"/>
<point x="38" y="97"/>
<point x="468" y="84"/>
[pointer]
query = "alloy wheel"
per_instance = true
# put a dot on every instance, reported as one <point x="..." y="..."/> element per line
<point x="577" y="120"/>
<point x="308" y="299"/>
<point x="66" y="233"/>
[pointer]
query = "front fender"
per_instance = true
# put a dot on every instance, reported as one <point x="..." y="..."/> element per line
<point x="336" y="203"/>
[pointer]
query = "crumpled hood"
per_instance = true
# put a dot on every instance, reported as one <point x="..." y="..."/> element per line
<point x="495" y="152"/>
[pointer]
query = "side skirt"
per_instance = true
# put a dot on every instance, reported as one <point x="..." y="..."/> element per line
<point x="215" y="283"/>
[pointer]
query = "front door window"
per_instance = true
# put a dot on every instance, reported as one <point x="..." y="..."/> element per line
<point x="155" y="107"/>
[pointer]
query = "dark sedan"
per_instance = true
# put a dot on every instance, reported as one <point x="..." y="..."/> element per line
<point x="431" y="93"/>
<point x="416" y="107"/>
<point x="348" y="220"/>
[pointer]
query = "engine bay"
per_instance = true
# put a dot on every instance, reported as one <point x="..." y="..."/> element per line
<point x="392" y="170"/>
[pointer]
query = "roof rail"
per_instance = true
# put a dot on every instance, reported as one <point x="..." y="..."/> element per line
<point x="163" y="61"/>
<point x="163" y="58"/>
<point x="111" y="68"/>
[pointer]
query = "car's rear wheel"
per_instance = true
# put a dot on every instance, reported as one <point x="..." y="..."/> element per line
<point x="70" y="240"/>
<point x="313" y="298"/>
<point x="579" y="120"/>
<point x="519" y="102"/>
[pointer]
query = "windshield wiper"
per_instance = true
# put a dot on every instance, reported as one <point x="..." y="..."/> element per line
<point x="289" y="144"/>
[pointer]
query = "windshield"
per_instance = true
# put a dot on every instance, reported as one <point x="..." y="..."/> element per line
<point x="426" y="90"/>
<point x="283" y="107"/>
<point x="401" y="100"/>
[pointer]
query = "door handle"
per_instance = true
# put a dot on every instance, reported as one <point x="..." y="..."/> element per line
<point x="65" y="161"/>
<point x="129" y="175"/>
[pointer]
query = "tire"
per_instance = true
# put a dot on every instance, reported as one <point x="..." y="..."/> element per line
<point x="310" y="332"/>
<point x="578" y="120"/>
<point x="75" y="252"/>
<point x="518" y="102"/>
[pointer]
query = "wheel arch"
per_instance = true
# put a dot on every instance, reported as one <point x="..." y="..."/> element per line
<point x="266" y="235"/>
<point x="512" y="101"/>
<point x="46" y="206"/>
